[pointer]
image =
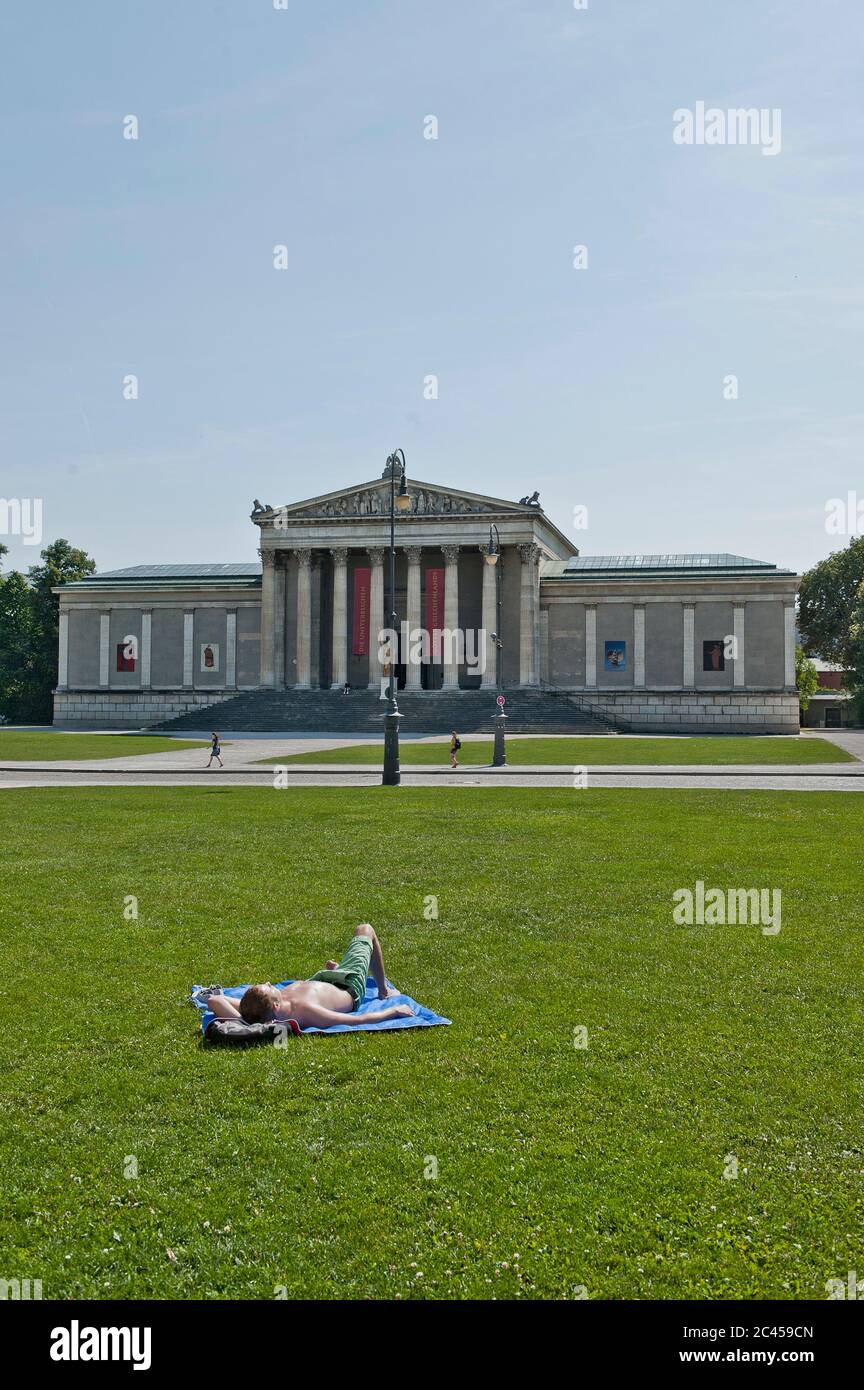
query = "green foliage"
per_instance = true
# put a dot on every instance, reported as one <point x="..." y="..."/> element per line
<point x="29" y="632"/>
<point x="826" y="602"/>
<point x="806" y="679"/>
<point x="855" y="675"/>
<point x="558" y="1167"/>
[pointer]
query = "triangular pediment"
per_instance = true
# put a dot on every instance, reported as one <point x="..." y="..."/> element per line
<point x="373" y="499"/>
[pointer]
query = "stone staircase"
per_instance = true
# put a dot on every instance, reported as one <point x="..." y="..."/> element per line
<point x="434" y="712"/>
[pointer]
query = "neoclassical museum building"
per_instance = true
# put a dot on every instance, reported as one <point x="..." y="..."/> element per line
<point x="671" y="642"/>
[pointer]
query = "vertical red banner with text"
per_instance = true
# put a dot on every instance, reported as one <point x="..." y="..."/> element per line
<point x="435" y="613"/>
<point x="362" y="585"/>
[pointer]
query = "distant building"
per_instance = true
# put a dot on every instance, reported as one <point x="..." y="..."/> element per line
<point x="829" y="707"/>
<point x="677" y="642"/>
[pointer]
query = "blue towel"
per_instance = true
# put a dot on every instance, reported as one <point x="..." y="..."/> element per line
<point x="423" y="1018"/>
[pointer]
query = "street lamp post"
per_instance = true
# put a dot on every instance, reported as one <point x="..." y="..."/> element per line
<point x="398" y="502"/>
<point x="493" y="555"/>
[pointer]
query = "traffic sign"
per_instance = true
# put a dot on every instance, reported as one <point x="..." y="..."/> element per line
<point x="500" y="702"/>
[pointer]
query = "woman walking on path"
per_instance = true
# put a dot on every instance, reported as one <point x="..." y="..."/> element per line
<point x="215" y="750"/>
<point x="455" y="745"/>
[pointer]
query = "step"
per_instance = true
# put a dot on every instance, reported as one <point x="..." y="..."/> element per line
<point x="433" y="712"/>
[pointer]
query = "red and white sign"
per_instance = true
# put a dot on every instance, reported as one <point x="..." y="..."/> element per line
<point x="500" y="702"/>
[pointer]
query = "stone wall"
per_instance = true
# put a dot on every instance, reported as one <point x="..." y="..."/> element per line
<point x="744" y="712"/>
<point x="112" y="709"/>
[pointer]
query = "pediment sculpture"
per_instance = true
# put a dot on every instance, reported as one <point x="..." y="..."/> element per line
<point x="375" y="501"/>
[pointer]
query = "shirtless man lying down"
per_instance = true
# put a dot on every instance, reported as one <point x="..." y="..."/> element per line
<point x="330" y="996"/>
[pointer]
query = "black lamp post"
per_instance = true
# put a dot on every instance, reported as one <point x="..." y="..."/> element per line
<point x="493" y="555"/>
<point x="399" y="501"/>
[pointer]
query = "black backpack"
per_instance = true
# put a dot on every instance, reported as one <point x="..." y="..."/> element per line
<point x="457" y="745"/>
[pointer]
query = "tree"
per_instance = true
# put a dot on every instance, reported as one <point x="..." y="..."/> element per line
<point x="806" y="679"/>
<point x="826" y="600"/>
<point x="854" y="679"/>
<point x="29" y="631"/>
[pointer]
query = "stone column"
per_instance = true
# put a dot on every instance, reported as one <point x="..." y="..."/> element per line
<point x="543" y="643"/>
<point x="188" y="635"/>
<point x="376" y="618"/>
<point x="146" y="644"/>
<point x="339" y="665"/>
<point x="489" y="678"/>
<point x="451" y="617"/>
<point x="304" y="619"/>
<point x="63" y="651"/>
<point x="279" y="586"/>
<point x="738" y="634"/>
<point x="591" y="645"/>
<point x="104" y="639"/>
<point x="689" y="654"/>
<point x="231" y="649"/>
<point x="529" y="555"/>
<point x="789" y="646"/>
<point x="268" y="616"/>
<point x="639" y="648"/>
<point x="414" y="616"/>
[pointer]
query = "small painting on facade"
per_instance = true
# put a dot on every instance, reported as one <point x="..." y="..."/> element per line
<point x="615" y="656"/>
<point x="127" y="650"/>
<point x="713" y="656"/>
<point x="210" y="656"/>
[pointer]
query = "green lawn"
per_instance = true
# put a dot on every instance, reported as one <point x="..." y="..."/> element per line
<point x="591" y="751"/>
<point x="19" y="745"/>
<point x="558" y="1167"/>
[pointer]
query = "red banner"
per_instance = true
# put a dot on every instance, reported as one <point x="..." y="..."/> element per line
<point x="435" y="612"/>
<point x="362" y="585"/>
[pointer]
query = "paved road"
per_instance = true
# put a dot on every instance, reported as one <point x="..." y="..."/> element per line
<point x="187" y="767"/>
<point x="597" y="778"/>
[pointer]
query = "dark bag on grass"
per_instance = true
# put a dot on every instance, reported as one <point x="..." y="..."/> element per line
<point x="233" y="1032"/>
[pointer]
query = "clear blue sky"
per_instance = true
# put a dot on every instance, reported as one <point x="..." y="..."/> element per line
<point x="408" y="257"/>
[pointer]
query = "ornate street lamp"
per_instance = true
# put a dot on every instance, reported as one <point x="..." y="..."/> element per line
<point x="399" y="501"/>
<point x="492" y="556"/>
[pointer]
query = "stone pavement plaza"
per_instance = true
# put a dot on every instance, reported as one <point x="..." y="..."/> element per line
<point x="243" y="755"/>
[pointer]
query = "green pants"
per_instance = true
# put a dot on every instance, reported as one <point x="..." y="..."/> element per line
<point x="352" y="970"/>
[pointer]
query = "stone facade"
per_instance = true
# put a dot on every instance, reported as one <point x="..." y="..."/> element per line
<point x="681" y="642"/>
<point x="96" y="710"/>
<point x="692" y="713"/>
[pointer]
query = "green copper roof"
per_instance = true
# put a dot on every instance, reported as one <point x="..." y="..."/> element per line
<point x="181" y="572"/>
<point x="715" y="561"/>
<point x="668" y="565"/>
<point x="172" y="576"/>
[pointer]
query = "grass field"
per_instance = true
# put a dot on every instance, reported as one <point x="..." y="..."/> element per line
<point x="19" y="745"/>
<point x="559" y="1167"/>
<point x="593" y="751"/>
